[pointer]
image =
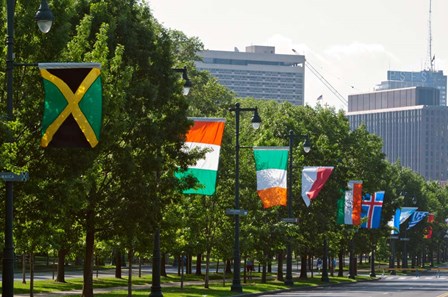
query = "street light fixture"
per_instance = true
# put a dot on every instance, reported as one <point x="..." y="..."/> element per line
<point x="187" y="84"/>
<point x="256" y="121"/>
<point x="306" y="147"/>
<point x="44" y="17"/>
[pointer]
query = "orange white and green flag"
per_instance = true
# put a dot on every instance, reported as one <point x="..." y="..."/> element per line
<point x="271" y="164"/>
<point x="206" y="133"/>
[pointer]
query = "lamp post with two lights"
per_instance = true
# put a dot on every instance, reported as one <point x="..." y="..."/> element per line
<point x="306" y="147"/>
<point x="256" y="121"/>
<point x="44" y="19"/>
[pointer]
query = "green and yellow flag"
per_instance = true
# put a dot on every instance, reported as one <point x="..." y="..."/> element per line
<point x="73" y="104"/>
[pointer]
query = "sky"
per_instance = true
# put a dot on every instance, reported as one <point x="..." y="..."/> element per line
<point x="351" y="43"/>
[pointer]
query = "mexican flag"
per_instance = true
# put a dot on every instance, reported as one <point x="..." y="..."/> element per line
<point x="271" y="163"/>
<point x="206" y="133"/>
<point x="349" y="205"/>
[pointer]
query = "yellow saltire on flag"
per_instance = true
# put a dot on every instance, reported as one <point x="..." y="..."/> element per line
<point x="73" y="104"/>
<point x="271" y="165"/>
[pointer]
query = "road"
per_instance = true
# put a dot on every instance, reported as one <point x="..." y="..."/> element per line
<point x="430" y="285"/>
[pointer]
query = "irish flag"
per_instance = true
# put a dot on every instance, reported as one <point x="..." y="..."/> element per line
<point x="206" y="133"/>
<point x="349" y="205"/>
<point x="271" y="163"/>
<point x="313" y="180"/>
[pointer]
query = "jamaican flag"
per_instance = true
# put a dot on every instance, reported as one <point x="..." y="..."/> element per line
<point x="73" y="104"/>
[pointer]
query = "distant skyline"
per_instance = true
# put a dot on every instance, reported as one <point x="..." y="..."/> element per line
<point x="351" y="43"/>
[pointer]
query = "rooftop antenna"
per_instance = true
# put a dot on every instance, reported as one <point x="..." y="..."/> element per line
<point x="431" y="57"/>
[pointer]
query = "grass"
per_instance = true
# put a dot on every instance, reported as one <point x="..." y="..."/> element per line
<point x="171" y="285"/>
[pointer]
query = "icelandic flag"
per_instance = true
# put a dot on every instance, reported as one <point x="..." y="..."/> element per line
<point x="371" y="209"/>
<point x="206" y="133"/>
<point x="313" y="180"/>
<point x="416" y="218"/>
<point x="271" y="163"/>
<point x="401" y="215"/>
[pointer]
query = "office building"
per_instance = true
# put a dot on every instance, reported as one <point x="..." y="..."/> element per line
<point x="425" y="78"/>
<point x="412" y="125"/>
<point x="258" y="72"/>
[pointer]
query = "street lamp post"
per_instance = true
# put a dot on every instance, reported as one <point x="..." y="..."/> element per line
<point x="324" y="277"/>
<point x="256" y="121"/>
<point x="306" y="147"/>
<point x="44" y="19"/>
<point x="372" y="260"/>
<point x="393" y="238"/>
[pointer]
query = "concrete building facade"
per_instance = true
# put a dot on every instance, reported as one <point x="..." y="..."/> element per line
<point x="425" y="78"/>
<point x="258" y="72"/>
<point x="413" y="126"/>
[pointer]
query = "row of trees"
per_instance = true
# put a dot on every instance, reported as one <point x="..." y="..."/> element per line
<point x="79" y="202"/>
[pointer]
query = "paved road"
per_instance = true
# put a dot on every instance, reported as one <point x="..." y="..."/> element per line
<point x="396" y="286"/>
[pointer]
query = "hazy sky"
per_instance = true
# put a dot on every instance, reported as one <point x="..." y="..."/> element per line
<point x="352" y="43"/>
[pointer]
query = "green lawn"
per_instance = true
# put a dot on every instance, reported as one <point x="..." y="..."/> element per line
<point x="171" y="285"/>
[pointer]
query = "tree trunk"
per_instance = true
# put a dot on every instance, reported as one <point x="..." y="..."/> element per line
<point x="269" y="264"/>
<point x="60" y="277"/>
<point x="163" y="266"/>
<point x="118" y="264"/>
<point x="303" y="271"/>
<point x="263" y="274"/>
<point x="23" y="268"/>
<point x="280" y="266"/>
<point x="199" y="264"/>
<point x="207" y="268"/>
<point x="130" y="260"/>
<point x="31" y="274"/>
<point x="228" y="266"/>
<point x="139" y="267"/>
<point x="189" y="263"/>
<point x="87" y="289"/>
<point x="217" y="266"/>
<point x="341" y="262"/>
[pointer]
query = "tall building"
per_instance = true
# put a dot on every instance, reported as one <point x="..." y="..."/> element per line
<point x="425" y="78"/>
<point x="412" y="125"/>
<point x="259" y="73"/>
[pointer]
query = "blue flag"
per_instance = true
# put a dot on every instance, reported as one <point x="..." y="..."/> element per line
<point x="401" y="215"/>
<point x="416" y="218"/>
<point x="371" y="209"/>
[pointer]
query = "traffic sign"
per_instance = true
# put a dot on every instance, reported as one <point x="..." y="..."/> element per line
<point x="236" y="212"/>
<point x="290" y="220"/>
<point x="9" y="176"/>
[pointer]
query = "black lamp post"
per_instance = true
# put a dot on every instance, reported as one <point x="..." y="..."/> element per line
<point x="393" y="238"/>
<point x="352" y="260"/>
<point x="324" y="277"/>
<point x="306" y="147"/>
<point x="44" y="19"/>
<point x="256" y="121"/>
<point x="372" y="260"/>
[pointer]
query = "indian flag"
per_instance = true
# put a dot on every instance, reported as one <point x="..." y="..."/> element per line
<point x="206" y="133"/>
<point x="271" y="163"/>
